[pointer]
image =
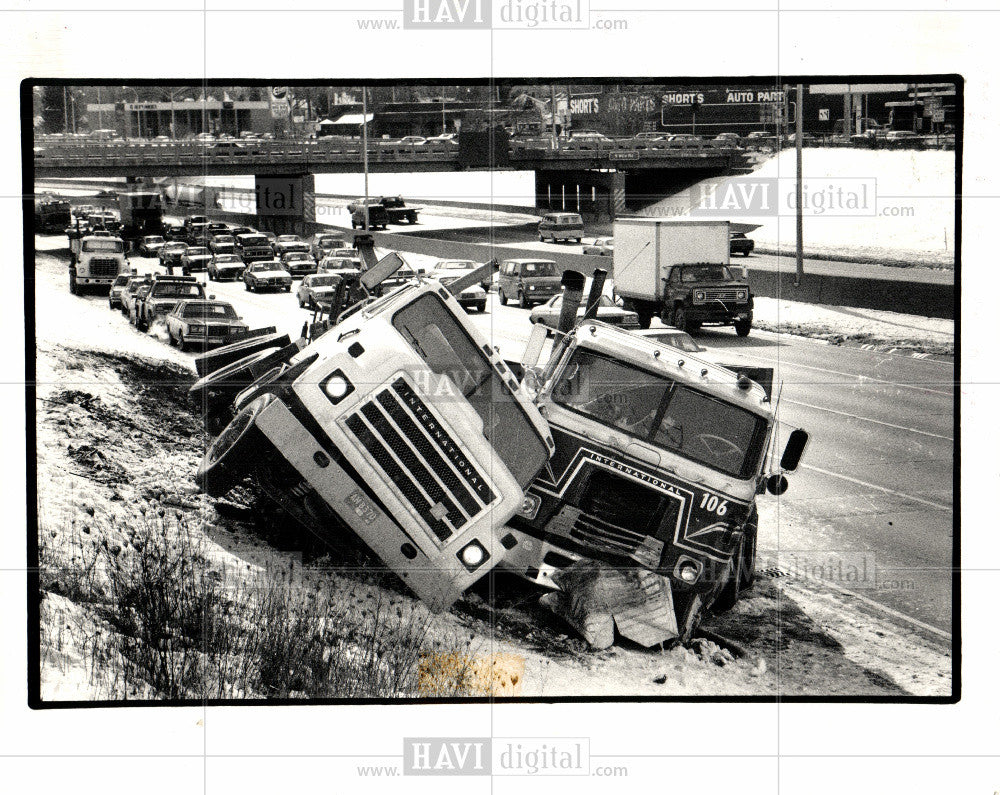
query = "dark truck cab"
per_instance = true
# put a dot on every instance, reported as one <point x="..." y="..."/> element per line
<point x="700" y="294"/>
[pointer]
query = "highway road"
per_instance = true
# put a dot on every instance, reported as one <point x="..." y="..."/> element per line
<point x="871" y="508"/>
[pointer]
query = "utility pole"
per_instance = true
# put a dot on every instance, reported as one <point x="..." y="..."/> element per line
<point x="552" y="109"/>
<point x="444" y="124"/>
<point x="798" y="185"/>
<point x="364" y="145"/>
<point x="65" y="112"/>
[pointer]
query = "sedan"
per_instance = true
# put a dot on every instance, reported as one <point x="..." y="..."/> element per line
<point x="299" y="263"/>
<point x="284" y="243"/>
<point x="150" y="245"/>
<point x="456" y="267"/>
<point x="225" y="266"/>
<point x="267" y="275"/>
<point x="602" y="247"/>
<point x="607" y="312"/>
<point x="335" y="264"/>
<point x="171" y="253"/>
<point x="675" y="338"/>
<point x="316" y="289"/>
<point x="222" y="244"/>
<point x="202" y="323"/>
<point x="196" y="258"/>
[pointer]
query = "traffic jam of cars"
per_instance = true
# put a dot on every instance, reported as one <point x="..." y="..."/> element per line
<point x="612" y="464"/>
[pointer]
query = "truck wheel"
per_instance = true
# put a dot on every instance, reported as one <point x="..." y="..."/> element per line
<point x="221" y="357"/>
<point x="73" y="288"/>
<point x="645" y="318"/>
<point x="743" y="572"/>
<point x="681" y="322"/>
<point x="231" y="454"/>
<point x="502" y="296"/>
<point x="743" y="328"/>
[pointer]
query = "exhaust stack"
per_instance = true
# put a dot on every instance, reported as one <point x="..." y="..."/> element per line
<point x="596" y="291"/>
<point x="365" y="244"/>
<point x="572" y="284"/>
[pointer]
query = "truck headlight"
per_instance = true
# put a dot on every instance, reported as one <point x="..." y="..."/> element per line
<point x="742" y="295"/>
<point x="336" y="386"/>
<point x="473" y="555"/>
<point x="699" y="295"/>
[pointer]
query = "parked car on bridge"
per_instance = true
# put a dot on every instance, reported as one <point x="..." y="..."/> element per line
<point x="561" y="226"/>
<point x="607" y="312"/>
<point x="196" y="258"/>
<point x="224" y="267"/>
<point x="412" y="140"/>
<point x="267" y="275"/>
<point x="602" y="247"/>
<point x="649" y="136"/>
<point x="727" y="138"/>
<point x="202" y="323"/>
<point x="527" y="281"/>
<point x="150" y="246"/>
<point x="298" y="263"/>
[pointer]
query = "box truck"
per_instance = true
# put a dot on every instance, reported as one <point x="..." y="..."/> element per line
<point x="678" y="270"/>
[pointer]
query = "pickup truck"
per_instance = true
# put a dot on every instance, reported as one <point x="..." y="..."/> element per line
<point x="377" y="216"/>
<point x="164" y="294"/>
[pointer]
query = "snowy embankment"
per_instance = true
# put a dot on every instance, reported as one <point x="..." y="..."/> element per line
<point x="894" y="207"/>
<point x="118" y="444"/>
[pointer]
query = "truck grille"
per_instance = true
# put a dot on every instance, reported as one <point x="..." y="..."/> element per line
<point x="723" y="294"/>
<point x="103" y="266"/>
<point x="426" y="465"/>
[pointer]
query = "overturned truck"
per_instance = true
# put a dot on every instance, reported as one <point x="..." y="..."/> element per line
<point x="398" y="422"/>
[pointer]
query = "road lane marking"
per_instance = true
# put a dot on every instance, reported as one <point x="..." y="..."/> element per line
<point x="853" y="376"/>
<point x="877" y="605"/>
<point x="868" y="419"/>
<point x="939" y="505"/>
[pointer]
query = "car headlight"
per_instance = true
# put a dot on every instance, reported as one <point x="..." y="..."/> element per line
<point x="196" y="329"/>
<point x="532" y="286"/>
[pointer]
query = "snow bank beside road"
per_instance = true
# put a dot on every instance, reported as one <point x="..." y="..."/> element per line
<point x="910" y="217"/>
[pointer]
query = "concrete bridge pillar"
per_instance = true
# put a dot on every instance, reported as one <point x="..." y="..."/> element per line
<point x="596" y="195"/>
<point x="286" y="203"/>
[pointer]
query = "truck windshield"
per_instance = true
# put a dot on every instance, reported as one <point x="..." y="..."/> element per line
<point x="444" y="345"/>
<point x="663" y="412"/>
<point x="177" y="290"/>
<point x="110" y="245"/>
<point x="538" y="269"/>
<point x="706" y="273"/>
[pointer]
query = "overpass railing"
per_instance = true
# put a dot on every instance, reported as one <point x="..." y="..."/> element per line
<point x="69" y="154"/>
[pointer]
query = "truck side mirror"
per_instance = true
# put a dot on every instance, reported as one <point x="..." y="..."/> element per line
<point x="794" y="448"/>
<point x="777" y="484"/>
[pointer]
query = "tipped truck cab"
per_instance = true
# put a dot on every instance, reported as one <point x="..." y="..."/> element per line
<point x="402" y="424"/>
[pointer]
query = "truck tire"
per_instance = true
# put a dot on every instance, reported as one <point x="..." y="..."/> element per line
<point x="680" y="320"/>
<point x="210" y="362"/>
<point x="743" y="572"/>
<point x="232" y="453"/>
<point x="743" y="328"/>
<point x="73" y="288"/>
<point x="502" y="296"/>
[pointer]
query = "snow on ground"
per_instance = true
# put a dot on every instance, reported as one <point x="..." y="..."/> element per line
<point x="118" y="443"/>
<point x="906" y="200"/>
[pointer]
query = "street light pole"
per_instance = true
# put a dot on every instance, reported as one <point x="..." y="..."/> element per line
<point x="798" y="185"/>
<point x="364" y="146"/>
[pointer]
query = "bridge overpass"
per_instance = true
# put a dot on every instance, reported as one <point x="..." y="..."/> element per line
<point x="593" y="176"/>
